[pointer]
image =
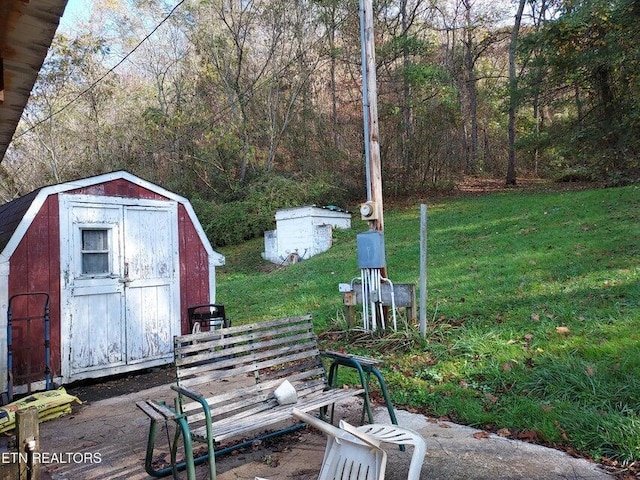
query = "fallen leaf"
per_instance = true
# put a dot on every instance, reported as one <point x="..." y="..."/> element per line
<point x="590" y="371"/>
<point x="481" y="435"/>
<point x="535" y="317"/>
<point x="504" y="432"/>
<point x="529" y="435"/>
<point x="491" y="398"/>
<point x="563" y="434"/>
<point x="506" y="367"/>
<point x="528" y="337"/>
<point x="562" y="330"/>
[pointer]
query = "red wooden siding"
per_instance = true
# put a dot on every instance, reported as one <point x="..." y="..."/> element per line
<point x="118" y="188"/>
<point x="35" y="267"/>
<point x="194" y="268"/>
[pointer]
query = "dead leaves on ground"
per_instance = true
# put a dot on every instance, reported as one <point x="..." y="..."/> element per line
<point x="531" y="436"/>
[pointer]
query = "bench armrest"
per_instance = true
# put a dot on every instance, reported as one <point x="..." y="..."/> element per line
<point x="348" y="358"/>
<point x="188" y="393"/>
<point x="203" y="403"/>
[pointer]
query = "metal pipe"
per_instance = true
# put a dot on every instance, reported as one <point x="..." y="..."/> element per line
<point x="47" y="345"/>
<point x="9" y="355"/>
<point x="365" y="300"/>
<point x="393" y="303"/>
<point x="423" y="270"/>
<point x="374" y="316"/>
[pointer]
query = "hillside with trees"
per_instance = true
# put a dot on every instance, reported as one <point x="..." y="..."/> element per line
<point x="248" y="106"/>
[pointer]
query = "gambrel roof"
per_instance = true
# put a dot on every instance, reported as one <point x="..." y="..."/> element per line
<point x="17" y="215"/>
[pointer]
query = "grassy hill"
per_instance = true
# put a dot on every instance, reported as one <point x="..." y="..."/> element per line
<point x="533" y="313"/>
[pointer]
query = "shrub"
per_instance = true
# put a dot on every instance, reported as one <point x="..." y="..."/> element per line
<point x="234" y="222"/>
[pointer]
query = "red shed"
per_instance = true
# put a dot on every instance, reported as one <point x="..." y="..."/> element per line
<point x="121" y="260"/>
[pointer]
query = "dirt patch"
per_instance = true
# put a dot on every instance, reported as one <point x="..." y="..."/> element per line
<point x="480" y="185"/>
<point x="93" y="390"/>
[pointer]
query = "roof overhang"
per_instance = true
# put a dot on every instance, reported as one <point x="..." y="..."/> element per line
<point x="27" y="28"/>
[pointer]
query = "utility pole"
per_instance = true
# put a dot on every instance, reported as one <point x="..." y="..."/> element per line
<point x="371" y="249"/>
<point x="370" y="114"/>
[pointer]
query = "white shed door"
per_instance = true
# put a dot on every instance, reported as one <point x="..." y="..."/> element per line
<point x="121" y="288"/>
<point x="149" y="282"/>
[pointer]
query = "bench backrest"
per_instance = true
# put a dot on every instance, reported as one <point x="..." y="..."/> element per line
<point x="238" y="368"/>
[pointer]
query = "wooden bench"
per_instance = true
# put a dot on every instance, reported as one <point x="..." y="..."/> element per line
<point x="226" y="381"/>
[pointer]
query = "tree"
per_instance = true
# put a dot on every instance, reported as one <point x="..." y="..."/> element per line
<point x="513" y="93"/>
<point x="591" y="54"/>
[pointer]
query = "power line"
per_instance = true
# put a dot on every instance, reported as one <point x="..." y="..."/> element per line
<point x="96" y="82"/>
<point x="246" y="94"/>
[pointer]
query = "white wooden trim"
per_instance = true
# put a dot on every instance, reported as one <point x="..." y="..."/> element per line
<point x="4" y="305"/>
<point x="212" y="280"/>
<point x="216" y="259"/>
<point x="66" y="232"/>
<point x="23" y="226"/>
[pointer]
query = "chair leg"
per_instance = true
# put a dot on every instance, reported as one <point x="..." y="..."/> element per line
<point x="182" y="428"/>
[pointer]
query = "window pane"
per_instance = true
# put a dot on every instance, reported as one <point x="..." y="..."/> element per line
<point x="95" y="252"/>
<point x="94" y="240"/>
<point x="93" y="263"/>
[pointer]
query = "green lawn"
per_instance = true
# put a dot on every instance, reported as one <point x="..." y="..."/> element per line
<point x="533" y="312"/>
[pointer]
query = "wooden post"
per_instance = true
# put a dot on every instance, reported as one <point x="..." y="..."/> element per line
<point x="371" y="102"/>
<point x="349" y="299"/>
<point x="27" y="442"/>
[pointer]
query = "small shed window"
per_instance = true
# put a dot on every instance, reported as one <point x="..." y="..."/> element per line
<point x="95" y="252"/>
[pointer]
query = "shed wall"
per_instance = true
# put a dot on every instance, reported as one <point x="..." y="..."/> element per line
<point x="35" y="267"/>
<point x="194" y="268"/>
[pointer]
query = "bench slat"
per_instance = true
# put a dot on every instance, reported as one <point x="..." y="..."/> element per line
<point x="216" y="339"/>
<point x="211" y="351"/>
<point x="236" y="356"/>
<point x="266" y="326"/>
<point x="156" y="411"/>
<point x="238" y="406"/>
<point x="300" y="381"/>
<point x="233" y="427"/>
<point x="256" y="366"/>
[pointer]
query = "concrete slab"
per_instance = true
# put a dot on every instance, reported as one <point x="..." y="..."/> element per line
<point x="106" y="439"/>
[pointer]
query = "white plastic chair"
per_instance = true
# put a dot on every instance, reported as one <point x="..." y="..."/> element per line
<point x="349" y="454"/>
<point x="399" y="436"/>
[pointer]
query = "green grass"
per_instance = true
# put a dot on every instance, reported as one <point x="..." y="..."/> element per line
<point x="504" y="272"/>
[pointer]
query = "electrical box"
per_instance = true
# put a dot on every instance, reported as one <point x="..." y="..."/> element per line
<point x="370" y="246"/>
<point x="368" y="211"/>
